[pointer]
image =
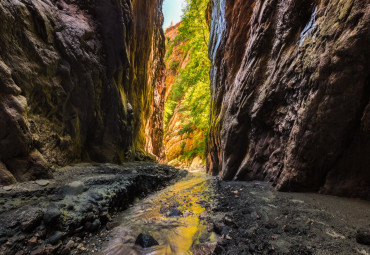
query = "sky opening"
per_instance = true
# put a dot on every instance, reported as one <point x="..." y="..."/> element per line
<point x="172" y="11"/>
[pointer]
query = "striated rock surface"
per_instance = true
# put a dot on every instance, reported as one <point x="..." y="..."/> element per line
<point x="154" y="127"/>
<point x="76" y="82"/>
<point x="290" y="94"/>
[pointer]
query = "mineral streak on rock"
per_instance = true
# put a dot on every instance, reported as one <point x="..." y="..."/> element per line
<point x="290" y="94"/>
<point x="76" y="82"/>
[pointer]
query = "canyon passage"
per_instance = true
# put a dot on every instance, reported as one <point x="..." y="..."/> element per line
<point x="241" y="128"/>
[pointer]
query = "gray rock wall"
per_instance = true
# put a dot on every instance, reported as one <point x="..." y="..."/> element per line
<point x="290" y="94"/>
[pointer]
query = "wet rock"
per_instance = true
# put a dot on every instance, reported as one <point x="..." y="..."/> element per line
<point x="96" y="196"/>
<point x="95" y="225"/>
<point x="8" y="188"/>
<point x="39" y="251"/>
<point x="41" y="232"/>
<point x="55" y="238"/>
<point x="217" y="227"/>
<point x="74" y="188"/>
<point x="175" y="213"/>
<point x="42" y="183"/>
<point x="68" y="247"/>
<point x="228" y="220"/>
<point x="30" y="219"/>
<point x="32" y="241"/>
<point x="204" y="248"/>
<point x="70" y="244"/>
<point x="145" y="241"/>
<point x="363" y="237"/>
<point x="51" y="214"/>
<point x="112" y="225"/>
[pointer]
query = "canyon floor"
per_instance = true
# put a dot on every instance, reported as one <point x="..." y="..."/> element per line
<point x="41" y="217"/>
<point x="102" y="208"/>
<point x="253" y="218"/>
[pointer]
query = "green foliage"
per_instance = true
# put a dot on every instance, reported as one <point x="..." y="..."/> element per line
<point x="191" y="91"/>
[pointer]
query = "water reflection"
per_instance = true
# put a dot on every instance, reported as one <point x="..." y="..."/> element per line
<point x="176" y="234"/>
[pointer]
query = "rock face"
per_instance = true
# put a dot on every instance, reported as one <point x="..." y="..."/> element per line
<point x="154" y="128"/>
<point x="290" y="94"/>
<point x="177" y="142"/>
<point x="176" y="59"/>
<point x="76" y="82"/>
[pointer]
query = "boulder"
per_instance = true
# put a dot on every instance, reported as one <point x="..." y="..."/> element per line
<point x="145" y="241"/>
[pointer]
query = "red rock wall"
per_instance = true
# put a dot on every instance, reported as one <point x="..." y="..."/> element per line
<point x="76" y="82"/>
<point x="290" y="94"/>
<point x="154" y="128"/>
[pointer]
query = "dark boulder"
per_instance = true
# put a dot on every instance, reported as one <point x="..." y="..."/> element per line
<point x="55" y="238"/>
<point x="51" y="214"/>
<point x="174" y="212"/>
<point x="146" y="241"/>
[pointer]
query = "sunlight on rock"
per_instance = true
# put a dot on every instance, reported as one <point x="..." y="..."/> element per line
<point x="176" y="235"/>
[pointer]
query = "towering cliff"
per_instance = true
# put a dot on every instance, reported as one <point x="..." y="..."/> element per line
<point x="290" y="94"/>
<point x="188" y="98"/>
<point x="76" y="82"/>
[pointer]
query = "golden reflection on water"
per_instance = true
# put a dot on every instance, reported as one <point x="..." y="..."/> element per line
<point x="176" y="235"/>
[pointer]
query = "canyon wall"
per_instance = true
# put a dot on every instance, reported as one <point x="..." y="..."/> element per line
<point x="175" y="60"/>
<point x="290" y="85"/>
<point x="76" y="82"/>
<point x="180" y="139"/>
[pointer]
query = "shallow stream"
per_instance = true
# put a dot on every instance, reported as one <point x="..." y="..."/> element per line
<point x="159" y="215"/>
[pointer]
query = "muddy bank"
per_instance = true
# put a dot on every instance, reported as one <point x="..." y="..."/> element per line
<point x="39" y="217"/>
<point x="253" y="218"/>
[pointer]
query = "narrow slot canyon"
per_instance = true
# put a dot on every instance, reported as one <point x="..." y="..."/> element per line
<point x="184" y="127"/>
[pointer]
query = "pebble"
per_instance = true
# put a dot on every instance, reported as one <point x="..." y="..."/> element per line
<point x="70" y="244"/>
<point x="42" y="183"/>
<point x="32" y="241"/>
<point x="7" y="188"/>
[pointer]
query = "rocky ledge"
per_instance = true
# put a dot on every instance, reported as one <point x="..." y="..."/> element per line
<point x="40" y="217"/>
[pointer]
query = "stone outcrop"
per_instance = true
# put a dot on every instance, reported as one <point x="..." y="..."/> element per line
<point x="290" y="94"/>
<point x="76" y="82"/>
<point x="154" y="127"/>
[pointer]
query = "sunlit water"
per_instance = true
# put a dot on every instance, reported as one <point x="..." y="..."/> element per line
<point x="176" y="235"/>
